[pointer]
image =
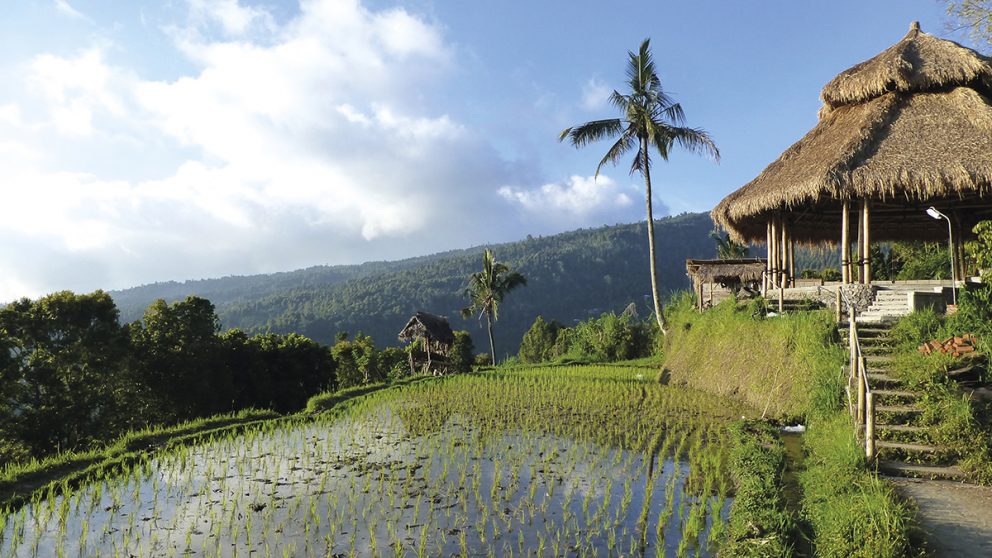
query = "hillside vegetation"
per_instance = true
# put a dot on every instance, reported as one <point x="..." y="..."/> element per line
<point x="570" y="276"/>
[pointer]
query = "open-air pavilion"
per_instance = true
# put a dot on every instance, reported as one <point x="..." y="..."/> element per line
<point x="905" y="131"/>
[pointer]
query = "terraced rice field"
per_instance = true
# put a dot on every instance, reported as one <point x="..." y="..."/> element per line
<point x="546" y="461"/>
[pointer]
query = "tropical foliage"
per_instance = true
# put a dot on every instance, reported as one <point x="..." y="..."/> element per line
<point x="650" y="121"/>
<point x="486" y="290"/>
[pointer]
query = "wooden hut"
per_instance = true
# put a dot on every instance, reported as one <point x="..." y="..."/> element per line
<point x="434" y="339"/>
<point x="730" y="275"/>
<point x="902" y="132"/>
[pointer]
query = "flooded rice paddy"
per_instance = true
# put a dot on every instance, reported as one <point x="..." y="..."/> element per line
<point x="554" y="461"/>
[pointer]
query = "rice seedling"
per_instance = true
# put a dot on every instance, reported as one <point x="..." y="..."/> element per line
<point x="526" y="461"/>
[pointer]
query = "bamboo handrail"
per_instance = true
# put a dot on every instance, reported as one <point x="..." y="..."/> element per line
<point x="858" y="372"/>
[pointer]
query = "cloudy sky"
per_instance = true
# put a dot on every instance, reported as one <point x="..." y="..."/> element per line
<point x="157" y="140"/>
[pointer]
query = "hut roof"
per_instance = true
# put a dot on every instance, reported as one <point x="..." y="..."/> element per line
<point x="423" y="324"/>
<point x="717" y="271"/>
<point x="911" y="125"/>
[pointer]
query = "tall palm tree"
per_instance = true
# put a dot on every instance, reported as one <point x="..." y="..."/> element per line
<point x="486" y="290"/>
<point x="650" y="119"/>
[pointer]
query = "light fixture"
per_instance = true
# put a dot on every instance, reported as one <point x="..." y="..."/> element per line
<point x="932" y="211"/>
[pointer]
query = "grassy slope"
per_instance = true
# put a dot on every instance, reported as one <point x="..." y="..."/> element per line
<point x="791" y="367"/>
<point x="784" y="366"/>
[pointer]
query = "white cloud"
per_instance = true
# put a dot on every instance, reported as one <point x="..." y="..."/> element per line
<point x="234" y="19"/>
<point x="576" y="199"/>
<point x="289" y="145"/>
<point x="63" y="7"/>
<point x="595" y="94"/>
<point x="75" y="88"/>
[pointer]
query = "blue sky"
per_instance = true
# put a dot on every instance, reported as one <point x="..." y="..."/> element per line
<point x="165" y="140"/>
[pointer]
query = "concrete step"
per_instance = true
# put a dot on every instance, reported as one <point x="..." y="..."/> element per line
<point x="895" y="393"/>
<point x="898" y="409"/>
<point x="882" y="378"/>
<point x="902" y="428"/>
<point x="922" y="448"/>
<point x="900" y="469"/>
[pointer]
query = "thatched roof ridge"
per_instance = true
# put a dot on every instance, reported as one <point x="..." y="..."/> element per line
<point x="716" y="271"/>
<point x="919" y="62"/>
<point x="423" y="324"/>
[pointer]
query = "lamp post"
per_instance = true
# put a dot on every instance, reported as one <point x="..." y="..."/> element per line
<point x="932" y="211"/>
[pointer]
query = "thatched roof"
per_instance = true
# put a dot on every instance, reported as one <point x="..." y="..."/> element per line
<point x="719" y="271"/>
<point x="429" y="326"/>
<point x="911" y="127"/>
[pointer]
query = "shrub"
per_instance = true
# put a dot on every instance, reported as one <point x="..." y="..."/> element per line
<point x="461" y="352"/>
<point x="538" y="344"/>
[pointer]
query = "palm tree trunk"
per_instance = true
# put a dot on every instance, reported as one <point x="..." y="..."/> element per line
<point x="659" y="316"/>
<point x="492" y="345"/>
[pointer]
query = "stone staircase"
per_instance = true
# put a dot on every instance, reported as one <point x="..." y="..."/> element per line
<point x="891" y="302"/>
<point x="903" y="445"/>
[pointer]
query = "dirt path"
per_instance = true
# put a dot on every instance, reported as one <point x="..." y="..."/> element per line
<point x="957" y="518"/>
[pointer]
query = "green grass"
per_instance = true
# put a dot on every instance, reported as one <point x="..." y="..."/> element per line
<point x="785" y="366"/>
<point x="760" y="526"/>
<point x="852" y="512"/>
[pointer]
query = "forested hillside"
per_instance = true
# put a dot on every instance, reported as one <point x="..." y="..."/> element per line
<point x="570" y="276"/>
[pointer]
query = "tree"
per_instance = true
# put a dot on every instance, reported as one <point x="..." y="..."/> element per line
<point x="726" y="248"/>
<point x="63" y="374"/>
<point x="651" y="119"/>
<point x="178" y="353"/>
<point x="974" y="16"/>
<point x="486" y="290"/>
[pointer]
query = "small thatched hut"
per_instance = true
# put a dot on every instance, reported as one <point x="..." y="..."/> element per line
<point x="433" y="340"/>
<point x="730" y="275"/>
<point x="908" y="129"/>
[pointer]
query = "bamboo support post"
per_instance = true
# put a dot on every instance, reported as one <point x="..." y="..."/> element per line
<point x="866" y="262"/>
<point x="773" y="255"/>
<point x="870" y="426"/>
<point x="783" y="257"/>
<point x="768" y="260"/>
<point x="860" y="248"/>
<point x="845" y="244"/>
<point x="792" y="261"/>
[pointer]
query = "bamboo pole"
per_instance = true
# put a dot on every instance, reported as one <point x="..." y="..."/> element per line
<point x="773" y="254"/>
<point x="699" y="299"/>
<point x="768" y="259"/>
<point x="792" y="260"/>
<point x="845" y="244"/>
<point x="860" y="247"/>
<point x="859" y="363"/>
<point x="866" y="263"/>
<point x="852" y="336"/>
<point x="783" y="256"/>
<point x="869" y="426"/>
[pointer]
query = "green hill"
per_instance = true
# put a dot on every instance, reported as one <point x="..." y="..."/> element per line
<point x="570" y="276"/>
